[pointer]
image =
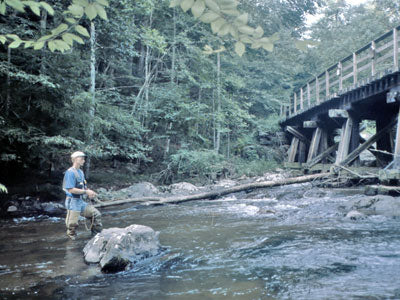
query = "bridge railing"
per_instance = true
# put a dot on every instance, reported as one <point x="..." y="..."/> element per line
<point x="369" y="62"/>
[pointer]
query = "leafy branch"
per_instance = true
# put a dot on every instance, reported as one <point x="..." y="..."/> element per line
<point x="225" y="19"/>
<point x="60" y="38"/>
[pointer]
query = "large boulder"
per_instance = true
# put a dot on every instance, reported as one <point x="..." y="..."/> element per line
<point x="138" y="190"/>
<point x="116" y="249"/>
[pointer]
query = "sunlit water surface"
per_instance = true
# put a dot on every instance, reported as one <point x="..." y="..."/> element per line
<point x="288" y="242"/>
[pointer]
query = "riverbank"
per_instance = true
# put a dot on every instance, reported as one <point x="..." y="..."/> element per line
<point x="48" y="198"/>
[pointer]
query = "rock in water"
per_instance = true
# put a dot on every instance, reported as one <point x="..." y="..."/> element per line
<point x="116" y="249"/>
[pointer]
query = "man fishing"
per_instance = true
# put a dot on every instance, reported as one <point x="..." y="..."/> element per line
<point x="75" y="188"/>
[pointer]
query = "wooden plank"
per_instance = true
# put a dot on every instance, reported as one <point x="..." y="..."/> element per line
<point x="321" y="156"/>
<point x="301" y="99"/>
<point x="397" y="144"/>
<point x="395" y="50"/>
<point x="361" y="59"/>
<point x="373" y="59"/>
<point x="347" y="76"/>
<point x="340" y="67"/>
<point x="386" y="56"/>
<point x="344" y="69"/>
<point x="367" y="66"/>
<point x="298" y="134"/>
<point x="384" y="46"/>
<point x="338" y="113"/>
<point x="295" y="103"/>
<point x="308" y="95"/>
<point x="353" y="155"/>
<point x="317" y="89"/>
<point x="310" y="124"/>
<point x="313" y="151"/>
<point x="293" y="149"/>
<point x="302" y="152"/>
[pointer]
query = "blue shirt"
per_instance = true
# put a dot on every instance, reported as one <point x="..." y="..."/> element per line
<point x="74" y="201"/>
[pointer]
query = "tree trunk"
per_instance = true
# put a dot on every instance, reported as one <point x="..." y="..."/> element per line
<point x="8" y="96"/>
<point x="43" y="26"/>
<point x="218" y="138"/>
<point x="218" y="193"/>
<point x="173" y="50"/>
<point x="92" y="92"/>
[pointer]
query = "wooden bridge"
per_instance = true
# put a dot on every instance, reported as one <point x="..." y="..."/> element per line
<point x="326" y="116"/>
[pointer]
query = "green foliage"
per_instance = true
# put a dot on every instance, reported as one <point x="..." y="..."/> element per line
<point x="226" y="19"/>
<point x="3" y="189"/>
<point x="60" y="38"/>
<point x="196" y="163"/>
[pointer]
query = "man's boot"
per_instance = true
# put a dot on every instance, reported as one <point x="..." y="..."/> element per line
<point x="94" y="216"/>
<point x="72" y="223"/>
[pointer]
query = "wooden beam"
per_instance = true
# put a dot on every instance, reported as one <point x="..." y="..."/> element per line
<point x="345" y="140"/>
<point x="353" y="155"/>
<point x="397" y="145"/>
<point x="321" y="156"/>
<point x="302" y="152"/>
<point x="314" y="144"/>
<point x="373" y="60"/>
<point x="338" y="113"/>
<point x="310" y="124"/>
<point x="301" y="99"/>
<point x="298" y="134"/>
<point x="293" y="149"/>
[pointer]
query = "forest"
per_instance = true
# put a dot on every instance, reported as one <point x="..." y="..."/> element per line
<point x="149" y="89"/>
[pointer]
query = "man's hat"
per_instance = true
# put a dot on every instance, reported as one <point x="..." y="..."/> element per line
<point x="78" y="154"/>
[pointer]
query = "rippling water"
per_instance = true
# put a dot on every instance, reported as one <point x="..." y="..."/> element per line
<point x="288" y="242"/>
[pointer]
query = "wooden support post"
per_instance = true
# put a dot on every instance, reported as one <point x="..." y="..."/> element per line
<point x="317" y="89"/>
<point x="298" y="134"/>
<point x="313" y="151"/>
<point x="353" y="155"/>
<point x="293" y="149"/>
<point x="340" y="75"/>
<point x="355" y="68"/>
<point x="373" y="61"/>
<point x="327" y="86"/>
<point x="302" y="152"/>
<point x="395" y="50"/>
<point x="397" y="144"/>
<point x="301" y="99"/>
<point x="355" y="139"/>
<point x="344" y="144"/>
<point x="295" y="103"/>
<point x="308" y="95"/>
<point x="323" y="145"/>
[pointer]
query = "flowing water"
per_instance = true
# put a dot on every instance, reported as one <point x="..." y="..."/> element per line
<point x="289" y="242"/>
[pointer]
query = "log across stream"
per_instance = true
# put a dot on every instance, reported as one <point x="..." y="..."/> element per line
<point x="217" y="193"/>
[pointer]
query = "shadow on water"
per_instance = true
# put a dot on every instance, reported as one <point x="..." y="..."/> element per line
<point x="282" y="243"/>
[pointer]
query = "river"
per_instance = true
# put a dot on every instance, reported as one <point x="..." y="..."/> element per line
<point x="289" y="242"/>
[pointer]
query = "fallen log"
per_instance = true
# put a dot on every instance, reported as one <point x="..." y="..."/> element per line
<point x="214" y="194"/>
